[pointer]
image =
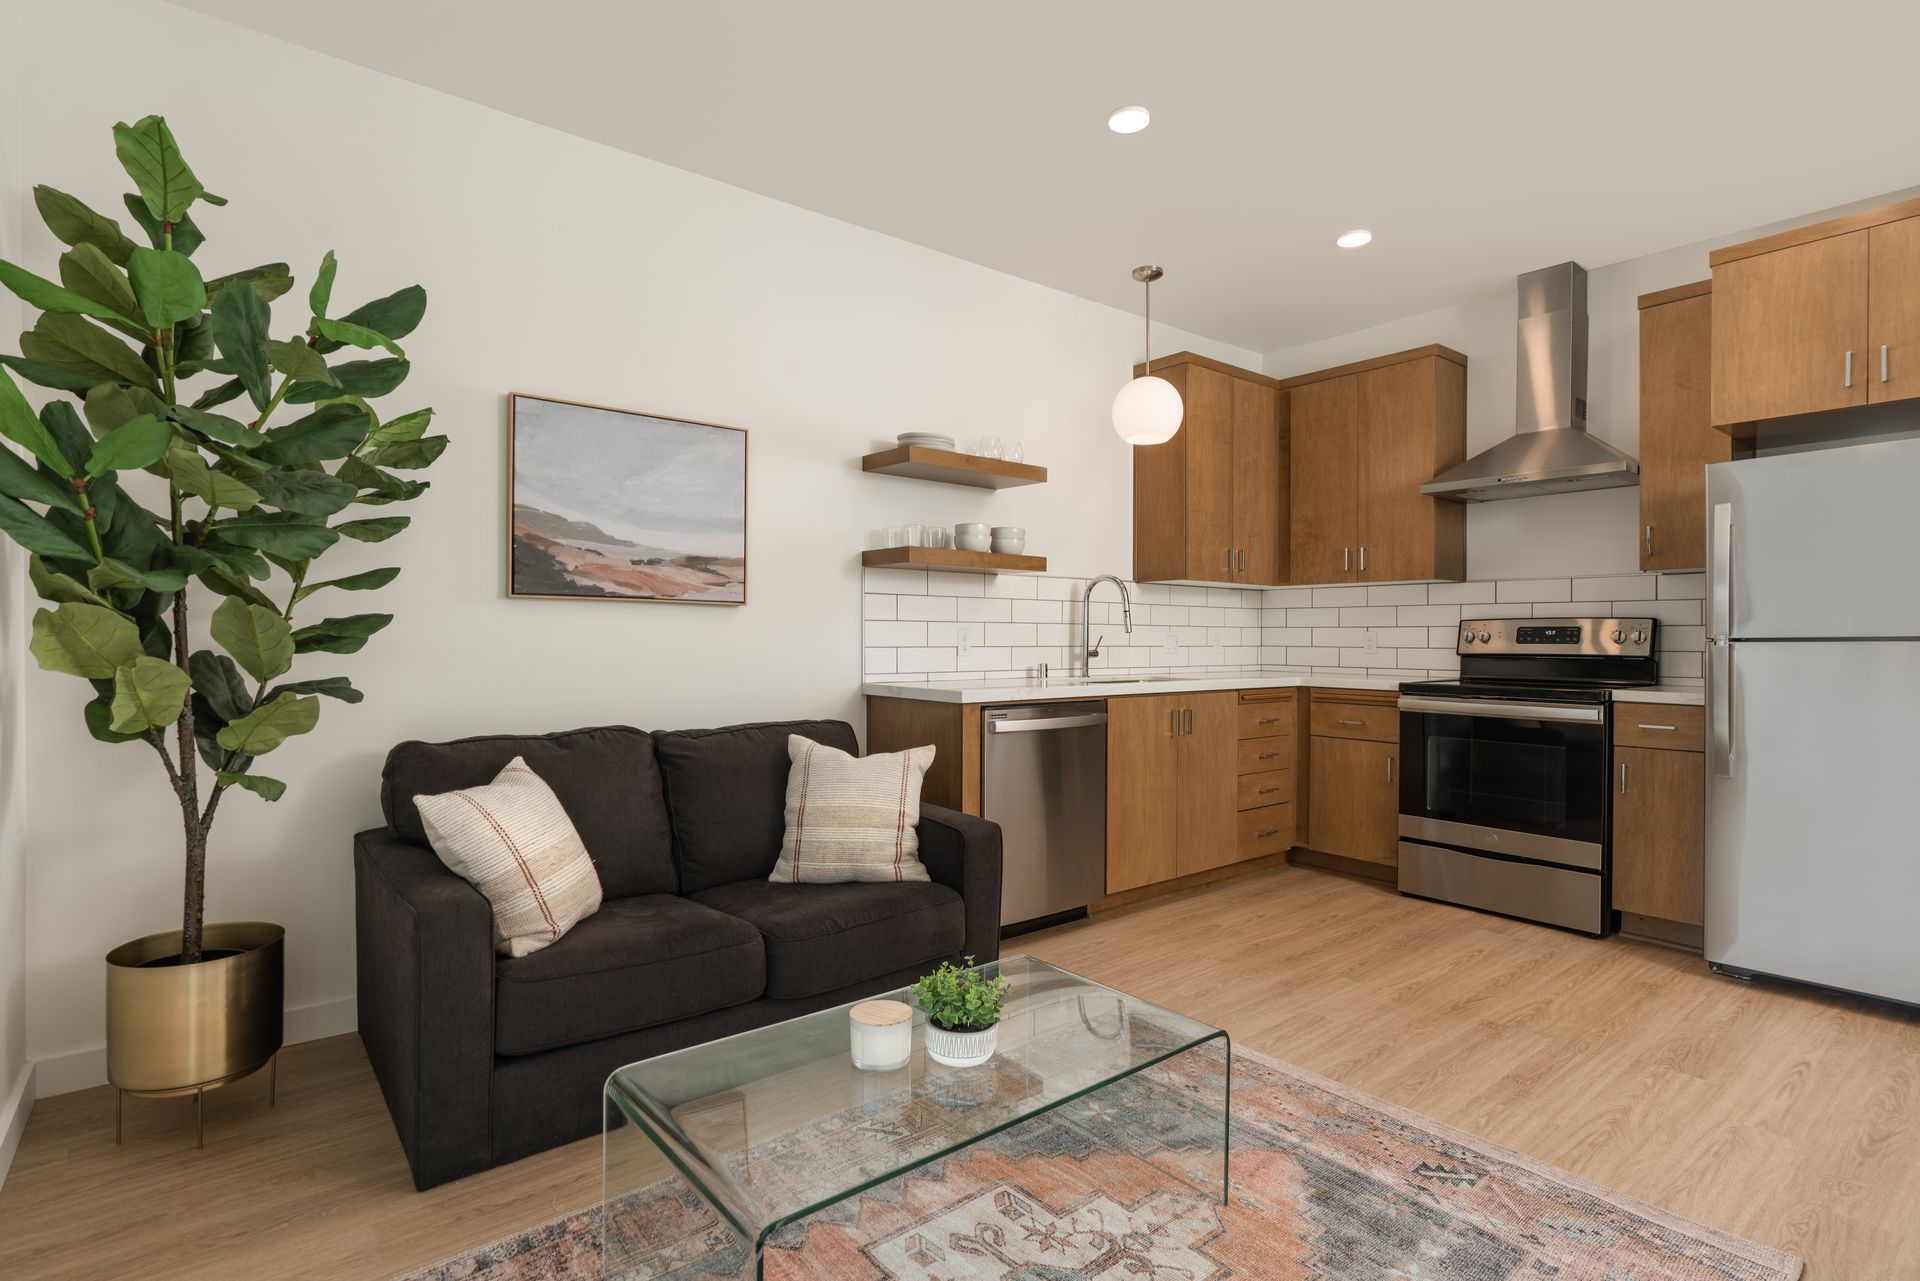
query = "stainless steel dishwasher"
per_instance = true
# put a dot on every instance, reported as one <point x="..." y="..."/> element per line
<point x="1044" y="781"/>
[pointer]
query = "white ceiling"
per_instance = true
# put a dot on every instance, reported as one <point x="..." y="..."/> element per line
<point x="1477" y="139"/>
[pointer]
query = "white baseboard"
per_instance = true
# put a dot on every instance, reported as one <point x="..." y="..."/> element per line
<point x="84" y="1069"/>
<point x="13" y="1118"/>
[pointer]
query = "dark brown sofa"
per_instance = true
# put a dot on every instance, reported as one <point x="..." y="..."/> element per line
<point x="485" y="1059"/>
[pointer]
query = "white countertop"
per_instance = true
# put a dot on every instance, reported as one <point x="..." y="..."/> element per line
<point x="1003" y="690"/>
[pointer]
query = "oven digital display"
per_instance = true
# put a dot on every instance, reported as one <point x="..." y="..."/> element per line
<point x="1548" y="635"/>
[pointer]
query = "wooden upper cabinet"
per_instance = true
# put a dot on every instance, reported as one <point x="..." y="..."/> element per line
<point x="1677" y="437"/>
<point x="1786" y="325"/>
<point x="1207" y="505"/>
<point x="1893" y="311"/>
<point x="1323" y="429"/>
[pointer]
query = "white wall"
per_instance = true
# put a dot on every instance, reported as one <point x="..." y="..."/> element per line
<point x="1563" y="534"/>
<point x="561" y="267"/>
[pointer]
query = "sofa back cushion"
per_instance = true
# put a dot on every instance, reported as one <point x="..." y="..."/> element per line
<point x="606" y="778"/>
<point x="727" y="792"/>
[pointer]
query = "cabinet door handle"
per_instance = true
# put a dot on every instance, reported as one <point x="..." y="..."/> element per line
<point x="1668" y="728"/>
<point x="1649" y="540"/>
<point x="1363" y="560"/>
<point x="1348" y="722"/>
<point x="1241" y="558"/>
<point x="1343" y="560"/>
<point x="1174" y="712"/>
<point x="1188" y="727"/>
<point x="1883" y="362"/>
<point x="1623" y="775"/>
<point x="1849" y="369"/>
<point x="1389" y="769"/>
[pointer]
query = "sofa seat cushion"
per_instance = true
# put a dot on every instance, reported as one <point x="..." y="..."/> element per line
<point x="822" y="937"/>
<point x="636" y="963"/>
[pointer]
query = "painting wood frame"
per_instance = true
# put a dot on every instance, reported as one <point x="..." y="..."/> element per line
<point x="513" y="591"/>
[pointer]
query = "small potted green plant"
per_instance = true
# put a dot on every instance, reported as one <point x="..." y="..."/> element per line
<point x="963" y="1013"/>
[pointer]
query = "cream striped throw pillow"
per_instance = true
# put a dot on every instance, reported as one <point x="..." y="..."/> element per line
<point x="851" y="818"/>
<point x="512" y="841"/>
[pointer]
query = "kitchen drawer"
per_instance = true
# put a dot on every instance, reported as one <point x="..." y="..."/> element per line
<point x="1270" y="788"/>
<point x="1267" y="830"/>
<point x="1258" y="754"/>
<point x="1259" y="720"/>
<point x="1676" y="726"/>
<point x="1372" y="721"/>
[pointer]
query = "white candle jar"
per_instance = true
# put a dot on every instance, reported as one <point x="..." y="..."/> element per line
<point x="882" y="1033"/>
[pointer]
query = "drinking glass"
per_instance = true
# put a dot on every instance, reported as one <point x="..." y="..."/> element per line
<point x="1014" y="452"/>
<point x="916" y="536"/>
<point x="990" y="447"/>
<point x="897" y="536"/>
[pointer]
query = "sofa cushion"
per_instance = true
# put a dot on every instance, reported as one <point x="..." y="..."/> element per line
<point x="821" y="937"/>
<point x="636" y="963"/>
<point x="727" y="791"/>
<point x="606" y="779"/>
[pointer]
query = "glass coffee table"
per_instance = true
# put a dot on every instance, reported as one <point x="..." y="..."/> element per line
<point x="775" y="1124"/>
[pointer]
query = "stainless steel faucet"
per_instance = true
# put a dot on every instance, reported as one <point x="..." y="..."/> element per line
<point x="1090" y="650"/>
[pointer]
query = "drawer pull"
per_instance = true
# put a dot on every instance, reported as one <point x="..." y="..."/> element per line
<point x="1265" y="790"/>
<point x="1270" y="720"/>
<point x="1344" y="721"/>
<point x="1266" y="756"/>
<point x="1271" y="831"/>
<point x="1671" y="729"/>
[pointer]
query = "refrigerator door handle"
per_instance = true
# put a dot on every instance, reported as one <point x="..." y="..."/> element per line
<point x="1720" y="699"/>
<point x="1720" y="608"/>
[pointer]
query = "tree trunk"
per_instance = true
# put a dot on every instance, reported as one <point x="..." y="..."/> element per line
<point x="193" y="912"/>
<point x="193" y="919"/>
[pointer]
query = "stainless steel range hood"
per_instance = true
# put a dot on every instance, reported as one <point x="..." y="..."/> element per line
<point x="1550" y="451"/>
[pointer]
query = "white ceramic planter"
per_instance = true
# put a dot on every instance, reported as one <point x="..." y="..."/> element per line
<point x="961" y="1049"/>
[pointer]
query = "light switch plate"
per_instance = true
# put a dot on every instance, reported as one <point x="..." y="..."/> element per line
<point x="963" y="637"/>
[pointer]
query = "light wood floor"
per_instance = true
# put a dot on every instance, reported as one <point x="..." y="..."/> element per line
<point x="1790" y="1118"/>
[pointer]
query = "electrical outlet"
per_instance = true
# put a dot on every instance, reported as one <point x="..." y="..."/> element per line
<point x="1170" y="643"/>
<point x="963" y="637"/>
<point x="1368" y="643"/>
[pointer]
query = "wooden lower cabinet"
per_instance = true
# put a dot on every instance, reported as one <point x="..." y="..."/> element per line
<point x="1659" y="833"/>
<point x="1208" y="829"/>
<point x="1355" y="799"/>
<point x="1143" y="790"/>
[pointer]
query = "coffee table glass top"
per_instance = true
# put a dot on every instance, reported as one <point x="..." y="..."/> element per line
<point x="739" y="1117"/>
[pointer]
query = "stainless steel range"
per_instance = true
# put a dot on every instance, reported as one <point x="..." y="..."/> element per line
<point x="1504" y="796"/>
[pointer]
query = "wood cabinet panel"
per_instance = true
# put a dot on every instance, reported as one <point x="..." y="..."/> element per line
<point x="1143" y="790"/>
<point x="1160" y="498"/>
<point x="1207" y="829"/>
<point x="1258" y="474"/>
<point x="1893" y="311"/>
<point x="1268" y="830"/>
<point x="1672" y="726"/>
<point x="1323" y="433"/>
<point x="1677" y="437"/>
<point x="1400" y="530"/>
<point x="1357" y="720"/>
<point x="1259" y="754"/>
<point x="1355" y="807"/>
<point x="1659" y="833"/>
<point x="1263" y="720"/>
<point x="1270" y="787"/>
<point x="1783" y="323"/>
<point x="1208" y="427"/>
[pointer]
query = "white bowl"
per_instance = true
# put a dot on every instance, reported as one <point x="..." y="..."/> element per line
<point x="971" y="527"/>
<point x="972" y="542"/>
<point x="1009" y="546"/>
<point x="1009" y="531"/>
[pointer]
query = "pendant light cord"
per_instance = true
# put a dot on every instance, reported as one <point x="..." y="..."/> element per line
<point x="1147" y="343"/>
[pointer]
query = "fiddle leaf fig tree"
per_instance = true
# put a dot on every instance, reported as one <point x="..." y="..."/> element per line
<point x="200" y="452"/>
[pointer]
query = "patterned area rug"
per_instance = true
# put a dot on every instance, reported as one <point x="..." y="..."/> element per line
<point x="1327" y="1183"/>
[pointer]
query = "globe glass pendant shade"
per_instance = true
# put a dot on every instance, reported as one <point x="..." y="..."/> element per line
<point x="1147" y="411"/>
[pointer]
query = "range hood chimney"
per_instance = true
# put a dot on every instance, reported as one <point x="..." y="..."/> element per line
<point x="1550" y="451"/>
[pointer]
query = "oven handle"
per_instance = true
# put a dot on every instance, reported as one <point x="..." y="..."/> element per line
<point x="1508" y="711"/>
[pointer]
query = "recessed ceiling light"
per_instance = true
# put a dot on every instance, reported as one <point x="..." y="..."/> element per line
<point x="1128" y="120"/>
<point x="1355" y="238"/>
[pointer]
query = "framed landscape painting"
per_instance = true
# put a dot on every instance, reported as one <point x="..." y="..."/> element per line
<point x="614" y="505"/>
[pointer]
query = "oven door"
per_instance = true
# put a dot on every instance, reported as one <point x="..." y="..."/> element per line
<point x="1524" y="780"/>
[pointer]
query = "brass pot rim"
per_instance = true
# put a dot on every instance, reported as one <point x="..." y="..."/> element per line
<point x="241" y="936"/>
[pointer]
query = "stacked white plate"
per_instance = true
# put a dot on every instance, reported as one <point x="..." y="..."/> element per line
<point x="930" y="440"/>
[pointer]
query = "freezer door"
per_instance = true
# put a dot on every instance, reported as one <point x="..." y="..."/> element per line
<point x="1815" y="544"/>
<point x="1813" y="865"/>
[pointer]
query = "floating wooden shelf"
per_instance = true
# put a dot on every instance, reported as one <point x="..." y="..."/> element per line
<point x="949" y="558"/>
<point x="917" y="462"/>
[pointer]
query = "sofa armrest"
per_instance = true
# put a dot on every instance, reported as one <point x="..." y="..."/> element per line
<point x="963" y="852"/>
<point x="424" y="945"/>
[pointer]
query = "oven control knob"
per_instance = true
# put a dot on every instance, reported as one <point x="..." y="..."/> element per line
<point x="1639" y="636"/>
<point x="1485" y="637"/>
<point x="1466" y="637"/>
<point x="1618" y="635"/>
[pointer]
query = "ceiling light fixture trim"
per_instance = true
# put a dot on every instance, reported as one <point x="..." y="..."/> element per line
<point x="1129" y="119"/>
<point x="1355" y="239"/>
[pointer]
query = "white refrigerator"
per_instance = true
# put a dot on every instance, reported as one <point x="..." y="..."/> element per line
<point x="1813" y="718"/>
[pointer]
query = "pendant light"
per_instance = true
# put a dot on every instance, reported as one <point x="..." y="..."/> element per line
<point x="1148" y="410"/>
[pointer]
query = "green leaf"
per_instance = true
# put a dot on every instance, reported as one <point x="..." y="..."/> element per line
<point x="19" y="425"/>
<point x="322" y="292"/>
<point x="99" y="717"/>
<point x="52" y="376"/>
<point x="59" y="588"/>
<point x="151" y="158"/>
<point x="377" y="529"/>
<point x="349" y="334"/>
<point x="111" y="573"/>
<point x="386" y="487"/>
<point x="408" y="455"/>
<point x="110" y="405"/>
<point x="36" y="533"/>
<point x="281" y="534"/>
<point x="258" y="639"/>
<point x="356" y="377"/>
<point x="339" y="635"/>
<point x="310" y="493"/>
<point x="186" y="236"/>
<point x="73" y="223"/>
<point x="74" y="343"/>
<point x="87" y="271"/>
<point x="138" y="442"/>
<point x="219" y="395"/>
<point x="370" y="580"/>
<point x="50" y="297"/>
<point x="271" y="789"/>
<point x="217" y="427"/>
<point x="271" y="724"/>
<point x="69" y="435"/>
<point x="331" y="431"/>
<point x="188" y="470"/>
<point x="147" y="694"/>
<point x="298" y="360"/>
<point x="168" y="286"/>
<point x="396" y="315"/>
<point x="216" y="679"/>
<point x="269" y="280"/>
<point x="86" y="640"/>
<point x="332" y="686"/>
<point x="218" y="580"/>
<point x="21" y="479"/>
<point x="406" y="427"/>
<point x="240" y="319"/>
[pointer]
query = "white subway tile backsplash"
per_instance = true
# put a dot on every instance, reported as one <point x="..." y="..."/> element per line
<point x="1682" y="586"/>
<point x="985" y="658"/>
<point x="878" y="661"/>
<point x="877" y="605"/>
<point x="1011" y="634"/>
<point x="1682" y="613"/>
<point x="882" y="632"/>
<point x="1364" y="658"/>
<point x="1167" y="615"/>
<point x="1401" y="637"/>
<point x="1533" y="589"/>
<point x="1058" y="589"/>
<point x="899" y="582"/>
<point x="1189" y="595"/>
<point x="1038" y="611"/>
<point x="1339" y="596"/>
<point x="1009" y="586"/>
<point x="1427" y="615"/>
<point x="939" y="584"/>
<point x="970" y="610"/>
<point x="1289" y="597"/>
<point x="1312" y="656"/>
<point x="1624" y="587"/>
<point x="927" y="659"/>
<point x="1369" y="616"/>
<point x="1682" y="638"/>
<point x="925" y="607"/>
<point x="1459" y="593"/>
<point x="1313" y="617"/>
<point x="1339" y="636"/>
<point x="1397" y="594"/>
<point x="1442" y="637"/>
<point x="1682" y="665"/>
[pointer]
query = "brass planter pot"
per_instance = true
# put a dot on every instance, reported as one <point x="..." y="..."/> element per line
<point x="184" y="1029"/>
